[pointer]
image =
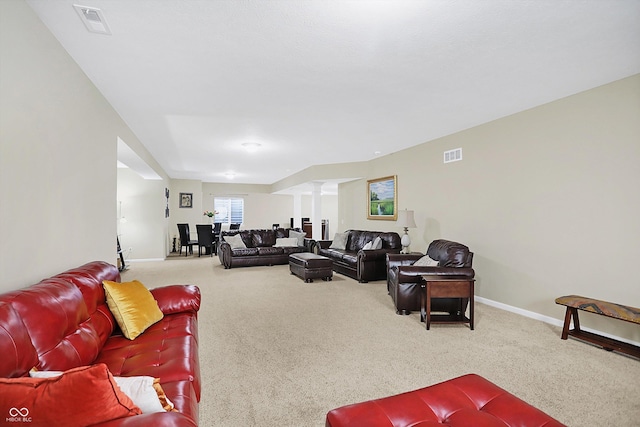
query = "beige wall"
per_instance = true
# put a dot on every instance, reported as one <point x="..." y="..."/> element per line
<point x="143" y="203"/>
<point x="58" y="139"/>
<point x="547" y="199"/>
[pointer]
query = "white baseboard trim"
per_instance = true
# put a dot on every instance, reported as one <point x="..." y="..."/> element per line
<point x="547" y="319"/>
<point x="145" y="260"/>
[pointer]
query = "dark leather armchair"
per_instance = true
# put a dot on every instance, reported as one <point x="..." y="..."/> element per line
<point x="404" y="280"/>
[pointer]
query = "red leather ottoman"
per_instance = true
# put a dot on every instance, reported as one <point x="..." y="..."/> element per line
<point x="469" y="400"/>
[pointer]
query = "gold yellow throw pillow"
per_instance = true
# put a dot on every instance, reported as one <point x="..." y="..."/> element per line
<point x="132" y="305"/>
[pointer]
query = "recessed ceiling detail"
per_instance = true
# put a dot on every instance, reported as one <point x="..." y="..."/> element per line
<point x="326" y="82"/>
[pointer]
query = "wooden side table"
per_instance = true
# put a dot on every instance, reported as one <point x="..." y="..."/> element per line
<point x="435" y="287"/>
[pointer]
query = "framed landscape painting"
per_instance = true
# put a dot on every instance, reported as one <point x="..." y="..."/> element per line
<point x="382" y="196"/>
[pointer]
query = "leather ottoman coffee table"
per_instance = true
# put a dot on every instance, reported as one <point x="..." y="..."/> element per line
<point x="309" y="266"/>
<point x="466" y="401"/>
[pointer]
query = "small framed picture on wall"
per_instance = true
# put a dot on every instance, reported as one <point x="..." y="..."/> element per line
<point x="186" y="200"/>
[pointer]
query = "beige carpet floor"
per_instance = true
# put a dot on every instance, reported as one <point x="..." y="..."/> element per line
<point x="275" y="351"/>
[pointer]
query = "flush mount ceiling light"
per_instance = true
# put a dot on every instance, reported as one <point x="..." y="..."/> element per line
<point x="93" y="19"/>
<point x="230" y="175"/>
<point x="251" y="146"/>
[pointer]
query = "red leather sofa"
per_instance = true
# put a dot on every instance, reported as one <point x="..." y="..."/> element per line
<point x="64" y="322"/>
<point x="469" y="400"/>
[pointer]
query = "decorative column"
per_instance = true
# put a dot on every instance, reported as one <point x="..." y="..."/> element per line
<point x="297" y="210"/>
<point x="316" y="210"/>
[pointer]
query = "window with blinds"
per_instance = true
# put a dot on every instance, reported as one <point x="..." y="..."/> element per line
<point x="230" y="210"/>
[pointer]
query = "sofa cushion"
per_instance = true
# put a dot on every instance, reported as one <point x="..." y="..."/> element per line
<point x="133" y="307"/>
<point x="235" y="241"/>
<point x="82" y="396"/>
<point x="145" y="392"/>
<point x="263" y="238"/>
<point x="335" y="254"/>
<point x="339" y="241"/>
<point x="368" y="246"/>
<point x="244" y="252"/>
<point x="175" y="299"/>
<point x="271" y="250"/>
<point x="377" y="243"/>
<point x="167" y="350"/>
<point x="293" y="249"/>
<point x="298" y="235"/>
<point x="286" y="241"/>
<point x="426" y="261"/>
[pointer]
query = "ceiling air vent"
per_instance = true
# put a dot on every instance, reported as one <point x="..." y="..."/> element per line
<point x="453" y="155"/>
<point x="93" y="19"/>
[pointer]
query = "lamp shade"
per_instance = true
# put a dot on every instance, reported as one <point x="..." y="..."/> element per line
<point x="405" y="219"/>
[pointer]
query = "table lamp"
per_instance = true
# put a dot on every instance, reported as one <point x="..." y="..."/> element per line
<point x="405" y="219"/>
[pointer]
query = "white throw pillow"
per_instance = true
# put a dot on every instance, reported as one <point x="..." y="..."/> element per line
<point x="367" y="246"/>
<point x="377" y="243"/>
<point x="140" y="390"/>
<point x="235" y="242"/>
<point x="426" y="261"/>
<point x="298" y="235"/>
<point x="339" y="241"/>
<point x="286" y="242"/>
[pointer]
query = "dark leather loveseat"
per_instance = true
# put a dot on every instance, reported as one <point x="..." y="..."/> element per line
<point x="260" y="248"/>
<point x="359" y="264"/>
<point x="404" y="279"/>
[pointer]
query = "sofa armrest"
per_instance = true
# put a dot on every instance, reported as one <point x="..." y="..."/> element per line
<point x="412" y="274"/>
<point x="309" y="244"/>
<point x="395" y="260"/>
<point x="324" y="244"/>
<point x="225" y="254"/>
<point x="372" y="255"/>
<point x="177" y="298"/>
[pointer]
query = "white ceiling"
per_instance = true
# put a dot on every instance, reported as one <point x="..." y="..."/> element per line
<point x="333" y="81"/>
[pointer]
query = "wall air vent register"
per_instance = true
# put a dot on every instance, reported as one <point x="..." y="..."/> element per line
<point x="453" y="155"/>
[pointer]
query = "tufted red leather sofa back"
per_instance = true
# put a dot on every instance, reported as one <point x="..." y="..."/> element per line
<point x="18" y="354"/>
<point x="63" y="322"/>
<point x="88" y="278"/>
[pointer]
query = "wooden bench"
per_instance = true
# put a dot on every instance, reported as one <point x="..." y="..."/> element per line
<point x="603" y="308"/>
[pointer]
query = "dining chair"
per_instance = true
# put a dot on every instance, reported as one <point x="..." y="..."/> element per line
<point x="185" y="240"/>
<point x="205" y="238"/>
<point x="217" y="227"/>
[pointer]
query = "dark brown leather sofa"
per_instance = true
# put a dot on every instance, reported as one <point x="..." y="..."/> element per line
<point x="404" y="279"/>
<point x="362" y="265"/>
<point x="260" y="249"/>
